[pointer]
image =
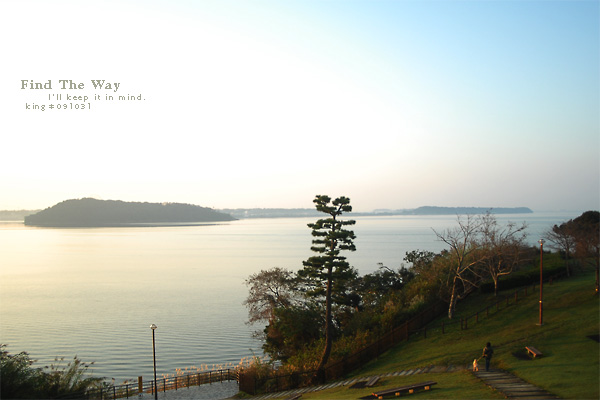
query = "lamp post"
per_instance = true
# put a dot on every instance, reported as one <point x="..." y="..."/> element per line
<point x="153" y="327"/>
<point x="541" y="242"/>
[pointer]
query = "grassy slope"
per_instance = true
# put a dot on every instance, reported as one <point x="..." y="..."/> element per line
<point x="569" y="367"/>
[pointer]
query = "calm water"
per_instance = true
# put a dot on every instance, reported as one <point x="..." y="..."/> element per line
<point x="94" y="292"/>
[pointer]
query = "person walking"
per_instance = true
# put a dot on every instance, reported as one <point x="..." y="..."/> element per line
<point x="487" y="354"/>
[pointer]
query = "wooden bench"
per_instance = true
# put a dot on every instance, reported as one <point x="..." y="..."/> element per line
<point x="533" y="351"/>
<point x="404" y="389"/>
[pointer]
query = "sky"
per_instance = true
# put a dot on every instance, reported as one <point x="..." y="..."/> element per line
<point x="261" y="104"/>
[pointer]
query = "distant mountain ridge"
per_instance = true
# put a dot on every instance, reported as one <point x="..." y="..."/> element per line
<point x="88" y="212"/>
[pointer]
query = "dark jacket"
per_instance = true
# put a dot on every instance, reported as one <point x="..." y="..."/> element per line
<point x="488" y="352"/>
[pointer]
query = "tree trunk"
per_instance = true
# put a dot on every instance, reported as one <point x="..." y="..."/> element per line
<point x="495" y="279"/>
<point x="453" y="299"/>
<point x="328" y="330"/>
<point x="597" y="275"/>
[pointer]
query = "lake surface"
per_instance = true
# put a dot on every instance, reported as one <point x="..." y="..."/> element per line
<point x="94" y="292"/>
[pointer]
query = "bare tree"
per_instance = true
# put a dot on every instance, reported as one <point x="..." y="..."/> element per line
<point x="501" y="247"/>
<point x="464" y="267"/>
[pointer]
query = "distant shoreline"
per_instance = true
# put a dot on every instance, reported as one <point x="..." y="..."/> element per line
<point x="246" y="213"/>
<point x="124" y="225"/>
<point x="249" y="213"/>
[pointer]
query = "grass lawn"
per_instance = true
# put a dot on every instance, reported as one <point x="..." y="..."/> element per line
<point x="569" y="367"/>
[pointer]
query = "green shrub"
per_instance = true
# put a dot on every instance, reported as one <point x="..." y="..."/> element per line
<point x="20" y="380"/>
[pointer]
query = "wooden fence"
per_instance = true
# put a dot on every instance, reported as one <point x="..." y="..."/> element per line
<point x="463" y="322"/>
<point x="416" y="326"/>
<point x="170" y="383"/>
<point x="252" y="384"/>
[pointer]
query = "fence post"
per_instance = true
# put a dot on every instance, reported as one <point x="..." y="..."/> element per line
<point x="140" y="385"/>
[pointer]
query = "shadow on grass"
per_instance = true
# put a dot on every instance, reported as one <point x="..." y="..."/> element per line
<point x="522" y="355"/>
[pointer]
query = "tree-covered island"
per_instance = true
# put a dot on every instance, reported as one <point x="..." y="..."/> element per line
<point x="89" y="212"/>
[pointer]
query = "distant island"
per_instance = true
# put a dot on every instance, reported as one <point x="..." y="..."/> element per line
<point x="243" y="213"/>
<point x="89" y="212"/>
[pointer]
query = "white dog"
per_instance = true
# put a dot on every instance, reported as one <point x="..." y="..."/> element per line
<point x="475" y="365"/>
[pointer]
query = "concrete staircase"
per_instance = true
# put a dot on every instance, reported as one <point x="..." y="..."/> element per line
<point x="511" y="386"/>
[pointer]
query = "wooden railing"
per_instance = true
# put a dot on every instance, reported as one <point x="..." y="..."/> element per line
<point x="418" y="325"/>
<point x="162" y="385"/>
<point x="499" y="304"/>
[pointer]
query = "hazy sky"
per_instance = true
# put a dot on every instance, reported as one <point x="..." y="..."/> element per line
<point x="395" y="104"/>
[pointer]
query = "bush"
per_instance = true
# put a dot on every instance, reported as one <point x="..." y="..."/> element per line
<point x="20" y="380"/>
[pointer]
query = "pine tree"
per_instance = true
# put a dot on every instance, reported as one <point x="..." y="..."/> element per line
<point x="327" y="272"/>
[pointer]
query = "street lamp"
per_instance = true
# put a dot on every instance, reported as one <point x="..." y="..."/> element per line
<point x="541" y="242"/>
<point x="153" y="327"/>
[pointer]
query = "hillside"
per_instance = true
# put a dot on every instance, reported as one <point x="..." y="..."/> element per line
<point x="101" y="213"/>
<point x="569" y="367"/>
